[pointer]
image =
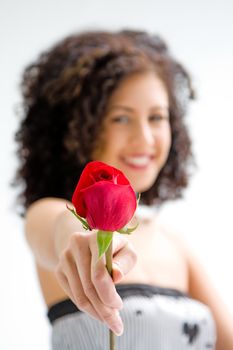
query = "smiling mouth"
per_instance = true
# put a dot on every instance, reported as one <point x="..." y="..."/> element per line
<point x="138" y="161"/>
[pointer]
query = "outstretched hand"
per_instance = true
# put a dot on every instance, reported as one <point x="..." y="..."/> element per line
<point x="86" y="280"/>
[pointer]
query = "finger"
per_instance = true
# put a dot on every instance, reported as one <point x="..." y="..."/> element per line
<point x="102" y="280"/>
<point x="123" y="262"/>
<point x="83" y="263"/>
<point x="76" y="290"/>
<point x="63" y="281"/>
<point x="118" y="242"/>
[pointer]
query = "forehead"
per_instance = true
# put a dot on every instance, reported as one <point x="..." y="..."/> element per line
<point x="141" y="88"/>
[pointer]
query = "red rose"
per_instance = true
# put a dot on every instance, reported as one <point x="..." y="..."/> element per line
<point x="104" y="197"/>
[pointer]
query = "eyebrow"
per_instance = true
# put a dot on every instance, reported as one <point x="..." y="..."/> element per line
<point x="129" y="109"/>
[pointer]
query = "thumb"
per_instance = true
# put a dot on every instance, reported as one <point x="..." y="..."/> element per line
<point x="117" y="273"/>
<point x="123" y="262"/>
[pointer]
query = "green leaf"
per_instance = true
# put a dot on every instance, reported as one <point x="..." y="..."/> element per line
<point x="83" y="221"/>
<point x="104" y="239"/>
<point x="127" y="230"/>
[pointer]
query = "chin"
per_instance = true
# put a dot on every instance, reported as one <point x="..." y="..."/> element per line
<point x="143" y="181"/>
<point x="142" y="187"/>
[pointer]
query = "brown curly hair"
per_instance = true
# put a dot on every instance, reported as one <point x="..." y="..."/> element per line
<point x="65" y="93"/>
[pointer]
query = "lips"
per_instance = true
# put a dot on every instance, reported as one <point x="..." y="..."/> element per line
<point x="138" y="161"/>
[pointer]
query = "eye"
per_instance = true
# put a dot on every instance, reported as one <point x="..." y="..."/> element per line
<point x="157" y="118"/>
<point x="121" y="119"/>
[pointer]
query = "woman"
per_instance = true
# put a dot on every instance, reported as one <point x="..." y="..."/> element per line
<point x="119" y="98"/>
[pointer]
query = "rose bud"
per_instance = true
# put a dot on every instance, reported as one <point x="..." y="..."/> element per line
<point x="104" y="197"/>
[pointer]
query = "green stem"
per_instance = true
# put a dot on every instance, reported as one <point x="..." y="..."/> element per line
<point x="108" y="256"/>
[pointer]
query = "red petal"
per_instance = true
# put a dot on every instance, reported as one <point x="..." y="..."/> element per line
<point x="94" y="172"/>
<point x="109" y="206"/>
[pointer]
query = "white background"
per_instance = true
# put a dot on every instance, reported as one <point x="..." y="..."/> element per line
<point x="200" y="33"/>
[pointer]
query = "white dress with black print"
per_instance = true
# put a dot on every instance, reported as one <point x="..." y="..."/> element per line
<point x="154" y="319"/>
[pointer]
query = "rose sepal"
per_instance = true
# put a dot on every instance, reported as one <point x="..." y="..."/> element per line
<point x="82" y="220"/>
<point x="138" y="199"/>
<point x="128" y="230"/>
<point x="104" y="239"/>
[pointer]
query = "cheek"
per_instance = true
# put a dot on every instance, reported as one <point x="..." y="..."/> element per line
<point x="168" y="139"/>
<point x="113" y="140"/>
<point x="106" y="148"/>
<point x="164" y="140"/>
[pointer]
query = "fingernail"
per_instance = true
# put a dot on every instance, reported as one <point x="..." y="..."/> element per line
<point x="118" y="329"/>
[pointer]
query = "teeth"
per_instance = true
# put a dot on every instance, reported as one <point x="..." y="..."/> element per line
<point x="138" y="161"/>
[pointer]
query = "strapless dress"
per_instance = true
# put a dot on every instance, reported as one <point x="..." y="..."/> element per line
<point x="154" y="318"/>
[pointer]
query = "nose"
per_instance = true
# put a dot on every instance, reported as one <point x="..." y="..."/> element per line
<point x="143" y="134"/>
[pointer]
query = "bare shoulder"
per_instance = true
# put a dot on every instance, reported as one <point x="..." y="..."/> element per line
<point x="200" y="284"/>
<point x="202" y="288"/>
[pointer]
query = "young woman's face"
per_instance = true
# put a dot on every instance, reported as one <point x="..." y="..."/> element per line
<point x="136" y="134"/>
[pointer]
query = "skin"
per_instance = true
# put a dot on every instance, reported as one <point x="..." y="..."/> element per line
<point x="137" y="125"/>
<point x="136" y="138"/>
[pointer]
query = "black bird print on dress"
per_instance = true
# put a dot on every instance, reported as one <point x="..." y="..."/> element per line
<point x="191" y="331"/>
